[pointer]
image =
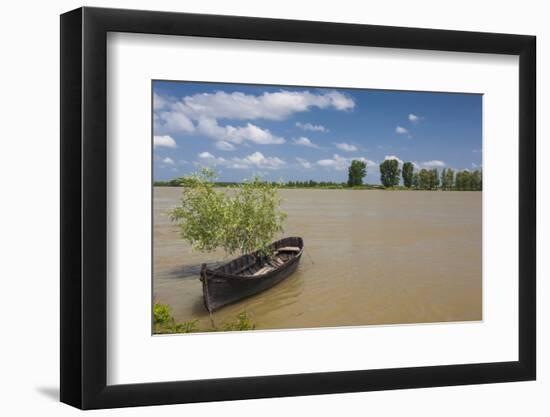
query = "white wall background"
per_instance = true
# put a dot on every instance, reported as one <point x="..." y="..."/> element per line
<point x="29" y="225"/>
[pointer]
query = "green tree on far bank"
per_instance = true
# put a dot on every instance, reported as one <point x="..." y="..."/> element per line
<point x="447" y="179"/>
<point x="477" y="180"/>
<point x="424" y="179"/>
<point x="407" y="174"/>
<point x="356" y="172"/>
<point x="428" y="179"/>
<point x="415" y="181"/>
<point x="390" y="173"/>
<point x="434" y="179"/>
<point x="469" y="181"/>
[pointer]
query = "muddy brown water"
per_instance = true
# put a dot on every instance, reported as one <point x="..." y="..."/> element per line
<point x="375" y="257"/>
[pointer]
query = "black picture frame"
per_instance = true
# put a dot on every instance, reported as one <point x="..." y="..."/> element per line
<point x="84" y="207"/>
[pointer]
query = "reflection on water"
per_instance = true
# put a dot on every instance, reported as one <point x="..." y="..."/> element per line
<point x="375" y="257"/>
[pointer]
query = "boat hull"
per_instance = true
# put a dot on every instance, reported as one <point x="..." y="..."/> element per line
<point x="221" y="289"/>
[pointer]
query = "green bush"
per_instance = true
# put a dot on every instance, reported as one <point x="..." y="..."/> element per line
<point x="161" y="313"/>
<point x="163" y="322"/>
<point x="245" y="219"/>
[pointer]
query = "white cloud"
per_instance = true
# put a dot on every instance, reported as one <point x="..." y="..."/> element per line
<point x="258" y="160"/>
<point x="413" y="118"/>
<point x="224" y="146"/>
<point x="159" y="102"/>
<point x="346" y="147"/>
<point x="202" y="112"/>
<point x="341" y="163"/>
<point x="310" y="127"/>
<point x="166" y="141"/>
<point x="208" y="159"/>
<point x="433" y="164"/>
<point x="304" y="163"/>
<point x="206" y="155"/>
<point x="401" y="130"/>
<point x="340" y="101"/>
<point x="168" y="161"/>
<point x="271" y="106"/>
<point x="336" y="162"/>
<point x="237" y="135"/>
<point x="172" y="122"/>
<point x="254" y="160"/>
<point x="303" y="141"/>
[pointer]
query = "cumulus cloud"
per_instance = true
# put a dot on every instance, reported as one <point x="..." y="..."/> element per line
<point x="433" y="164"/>
<point x="201" y="113"/>
<point x="311" y="127"/>
<point x="172" y="122"/>
<point x="413" y="118"/>
<point x="304" y="163"/>
<point x="401" y="130"/>
<point x="168" y="161"/>
<point x="206" y="155"/>
<point x="257" y="159"/>
<point x="271" y="106"/>
<point x="165" y="141"/>
<point x="224" y="146"/>
<point x="346" y="147"/>
<point x="341" y="163"/>
<point x="254" y="160"/>
<point x="159" y="102"/>
<point x="237" y="135"/>
<point x="303" y="141"/>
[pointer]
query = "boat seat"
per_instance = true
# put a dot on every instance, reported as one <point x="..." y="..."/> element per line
<point x="289" y="249"/>
<point x="263" y="270"/>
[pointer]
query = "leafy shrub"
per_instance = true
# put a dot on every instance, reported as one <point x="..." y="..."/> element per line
<point x="164" y="322"/>
<point x="245" y="219"/>
<point x="161" y="313"/>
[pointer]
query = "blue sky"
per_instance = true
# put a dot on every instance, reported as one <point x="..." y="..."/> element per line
<point x="301" y="133"/>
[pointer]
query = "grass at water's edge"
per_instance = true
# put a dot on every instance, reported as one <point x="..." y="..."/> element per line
<point x="164" y="323"/>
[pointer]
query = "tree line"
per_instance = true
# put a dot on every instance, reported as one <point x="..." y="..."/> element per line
<point x="424" y="179"/>
<point x="390" y="177"/>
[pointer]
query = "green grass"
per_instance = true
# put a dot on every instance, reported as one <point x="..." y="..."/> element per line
<point x="243" y="322"/>
<point x="164" y="323"/>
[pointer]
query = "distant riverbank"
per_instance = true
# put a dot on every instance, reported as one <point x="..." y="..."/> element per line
<point x="318" y="186"/>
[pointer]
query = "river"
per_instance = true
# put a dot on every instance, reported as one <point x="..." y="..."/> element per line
<point x="373" y="257"/>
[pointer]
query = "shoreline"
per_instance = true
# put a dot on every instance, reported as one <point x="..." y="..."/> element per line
<point x="343" y="188"/>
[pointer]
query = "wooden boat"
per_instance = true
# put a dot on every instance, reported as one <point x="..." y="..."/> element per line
<point x="250" y="274"/>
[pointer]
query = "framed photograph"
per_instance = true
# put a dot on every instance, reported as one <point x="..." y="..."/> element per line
<point x="257" y="208"/>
